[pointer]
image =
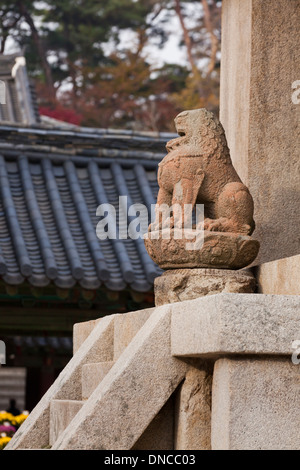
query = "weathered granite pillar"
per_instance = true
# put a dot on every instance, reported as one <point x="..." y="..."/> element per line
<point x="279" y="277"/>
<point x="260" y="112"/>
<point x="255" y="404"/>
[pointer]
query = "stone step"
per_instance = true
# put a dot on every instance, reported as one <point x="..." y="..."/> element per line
<point x="132" y="393"/>
<point x="126" y="327"/>
<point x="81" y="331"/>
<point x="61" y="414"/>
<point x="34" y="433"/>
<point x="92" y="374"/>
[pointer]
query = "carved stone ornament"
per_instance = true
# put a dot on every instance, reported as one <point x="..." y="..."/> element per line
<point x="197" y="174"/>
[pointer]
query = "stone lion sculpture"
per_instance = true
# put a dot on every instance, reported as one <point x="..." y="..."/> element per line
<point x="198" y="170"/>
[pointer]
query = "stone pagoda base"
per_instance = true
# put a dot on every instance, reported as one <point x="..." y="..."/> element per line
<point x="177" y="285"/>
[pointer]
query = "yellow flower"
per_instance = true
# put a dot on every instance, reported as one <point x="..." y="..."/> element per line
<point x="13" y="420"/>
<point x="21" y="418"/>
<point x="4" y="441"/>
<point x="7" y="418"/>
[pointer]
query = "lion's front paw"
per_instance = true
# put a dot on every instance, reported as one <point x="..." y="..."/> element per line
<point x="224" y="224"/>
<point x="216" y="225"/>
<point x="246" y="229"/>
<point x="153" y="227"/>
<point x="167" y="223"/>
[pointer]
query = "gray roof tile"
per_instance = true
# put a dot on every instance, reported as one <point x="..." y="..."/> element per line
<point x="48" y="201"/>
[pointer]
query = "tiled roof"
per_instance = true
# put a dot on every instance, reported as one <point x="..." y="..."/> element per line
<point x="51" y="183"/>
<point x="20" y="104"/>
<point x="61" y="343"/>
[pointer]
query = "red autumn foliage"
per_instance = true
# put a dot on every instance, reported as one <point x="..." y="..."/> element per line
<point x="62" y="114"/>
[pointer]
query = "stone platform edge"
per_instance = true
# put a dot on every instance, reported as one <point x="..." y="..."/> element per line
<point x="229" y="323"/>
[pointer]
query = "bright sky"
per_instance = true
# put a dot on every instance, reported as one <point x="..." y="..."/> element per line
<point x="170" y="53"/>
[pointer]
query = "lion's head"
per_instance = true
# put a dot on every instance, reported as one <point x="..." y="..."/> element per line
<point x="202" y="133"/>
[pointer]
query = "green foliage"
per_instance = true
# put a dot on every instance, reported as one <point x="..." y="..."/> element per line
<point x="68" y="42"/>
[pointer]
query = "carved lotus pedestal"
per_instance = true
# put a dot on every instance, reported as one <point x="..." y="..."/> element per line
<point x="201" y="249"/>
<point x="206" y="264"/>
